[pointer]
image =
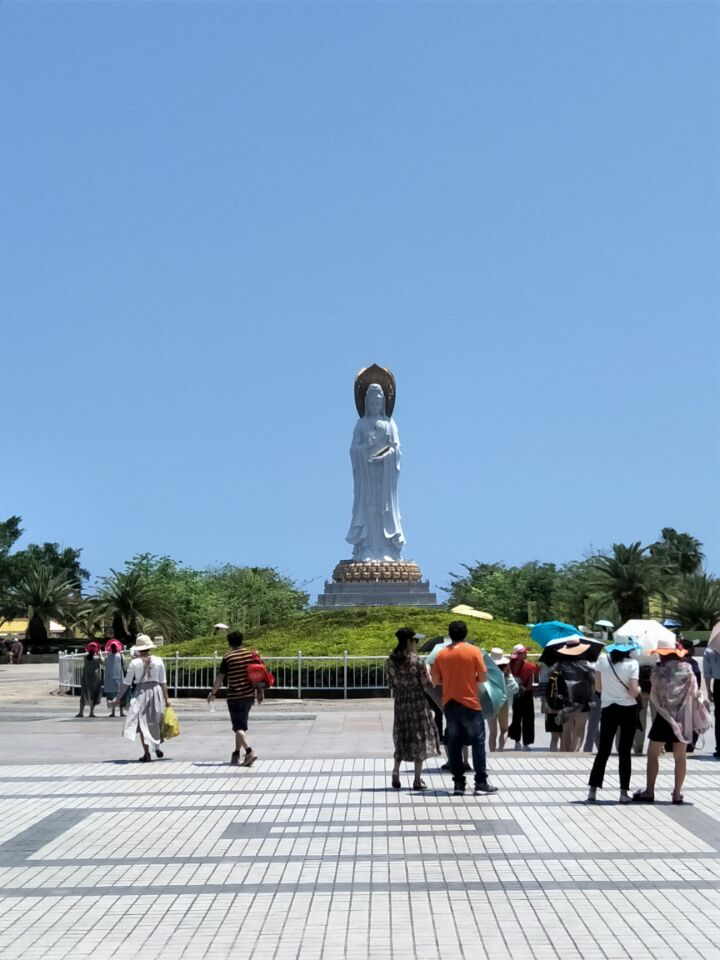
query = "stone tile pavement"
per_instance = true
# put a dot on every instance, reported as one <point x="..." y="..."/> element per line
<point x="306" y="857"/>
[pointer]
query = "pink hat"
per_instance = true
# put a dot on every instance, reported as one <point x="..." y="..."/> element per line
<point x="92" y="647"/>
<point x="113" y="645"/>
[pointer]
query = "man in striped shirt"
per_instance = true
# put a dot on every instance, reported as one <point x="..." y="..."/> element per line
<point x="240" y="695"/>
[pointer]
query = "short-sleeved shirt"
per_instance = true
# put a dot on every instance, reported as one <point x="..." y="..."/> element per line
<point x="234" y="670"/>
<point x="458" y="669"/>
<point x="430" y="658"/>
<point x="613" y="690"/>
<point x="711" y="664"/>
<point x="141" y="672"/>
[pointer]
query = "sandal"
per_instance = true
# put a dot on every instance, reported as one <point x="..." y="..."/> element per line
<point x="419" y="785"/>
<point x="677" y="798"/>
<point x="395" y="782"/>
<point x="158" y="753"/>
<point x="145" y="758"/>
<point x="642" y="796"/>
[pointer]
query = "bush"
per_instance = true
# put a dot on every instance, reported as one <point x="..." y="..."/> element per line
<point x="362" y="631"/>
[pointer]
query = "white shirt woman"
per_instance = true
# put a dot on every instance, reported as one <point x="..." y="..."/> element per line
<point x="149" y="700"/>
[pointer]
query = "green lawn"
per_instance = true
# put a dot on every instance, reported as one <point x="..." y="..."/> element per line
<point x="359" y="630"/>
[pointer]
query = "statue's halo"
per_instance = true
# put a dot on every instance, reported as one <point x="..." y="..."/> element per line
<point x="375" y="374"/>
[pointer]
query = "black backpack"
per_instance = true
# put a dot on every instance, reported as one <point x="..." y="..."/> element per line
<point x="580" y="684"/>
<point x="557" y="691"/>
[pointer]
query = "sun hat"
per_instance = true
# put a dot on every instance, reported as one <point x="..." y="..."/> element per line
<point x="623" y="646"/>
<point x="143" y="642"/>
<point x="518" y="650"/>
<point x="92" y="647"/>
<point x="407" y="633"/>
<point x="113" y="643"/>
<point x="496" y="653"/>
<point x="573" y="649"/>
<point x="667" y="651"/>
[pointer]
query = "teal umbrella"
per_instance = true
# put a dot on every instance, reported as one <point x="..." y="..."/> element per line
<point x="492" y="693"/>
<point x="544" y="633"/>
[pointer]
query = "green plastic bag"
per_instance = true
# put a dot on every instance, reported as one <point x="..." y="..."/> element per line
<point x="170" y="724"/>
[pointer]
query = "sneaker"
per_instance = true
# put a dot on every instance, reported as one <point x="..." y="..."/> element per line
<point x="592" y="795"/>
<point x="235" y="758"/>
<point x="485" y="787"/>
<point x="158" y="753"/>
<point x="249" y="758"/>
<point x="625" y="797"/>
<point x="459" y="792"/>
<point x="517" y="745"/>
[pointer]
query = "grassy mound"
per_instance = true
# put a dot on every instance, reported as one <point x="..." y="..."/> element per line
<point x="359" y="630"/>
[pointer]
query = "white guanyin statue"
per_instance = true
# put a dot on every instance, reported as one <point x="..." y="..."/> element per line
<point x="375" y="530"/>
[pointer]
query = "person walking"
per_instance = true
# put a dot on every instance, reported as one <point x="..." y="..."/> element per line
<point x="114" y="675"/>
<point x="149" y="699"/>
<point x="617" y="682"/>
<point x="241" y="695"/>
<point x="711" y="673"/>
<point x="679" y="712"/>
<point x="415" y="733"/>
<point x="522" y="726"/>
<point x="498" y="725"/>
<point x="458" y="669"/>
<point x="90" y="685"/>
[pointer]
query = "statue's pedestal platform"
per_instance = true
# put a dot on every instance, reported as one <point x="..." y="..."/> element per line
<point x="376" y="584"/>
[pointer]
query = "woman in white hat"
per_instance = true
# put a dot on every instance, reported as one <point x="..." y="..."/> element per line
<point x="499" y="724"/>
<point x="149" y="700"/>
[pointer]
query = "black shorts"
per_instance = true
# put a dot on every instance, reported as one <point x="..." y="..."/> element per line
<point x="661" y="731"/>
<point x="239" y="710"/>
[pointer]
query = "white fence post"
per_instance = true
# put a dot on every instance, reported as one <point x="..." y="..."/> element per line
<point x="299" y="675"/>
<point x="345" y="662"/>
<point x="177" y="663"/>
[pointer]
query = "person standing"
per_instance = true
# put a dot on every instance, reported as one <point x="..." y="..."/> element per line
<point x="458" y="669"/>
<point x="149" y="700"/>
<point x="90" y="685"/>
<point x="522" y="726"/>
<point x="679" y="712"/>
<point x="617" y="682"/>
<point x="551" y="725"/>
<point x="415" y="733"/>
<point x="114" y="675"/>
<point x="16" y="651"/>
<point x="241" y="694"/>
<point x="577" y="684"/>
<point x="711" y="673"/>
<point x="498" y="725"/>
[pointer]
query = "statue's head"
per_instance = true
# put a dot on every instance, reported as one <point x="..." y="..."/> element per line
<point x="374" y="400"/>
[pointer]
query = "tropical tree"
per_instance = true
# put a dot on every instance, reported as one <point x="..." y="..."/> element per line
<point x="626" y="577"/>
<point x="678" y="554"/>
<point x="697" y="602"/>
<point x="44" y="595"/>
<point x="130" y="601"/>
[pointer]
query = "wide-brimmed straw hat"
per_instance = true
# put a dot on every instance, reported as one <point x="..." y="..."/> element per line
<point x="669" y="651"/>
<point x="498" y="657"/>
<point x="143" y="642"/>
<point x="573" y="649"/>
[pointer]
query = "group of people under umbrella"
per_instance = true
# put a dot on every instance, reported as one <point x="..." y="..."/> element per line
<point x="591" y="693"/>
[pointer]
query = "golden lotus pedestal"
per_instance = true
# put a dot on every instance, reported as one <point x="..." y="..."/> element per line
<point x="377" y="583"/>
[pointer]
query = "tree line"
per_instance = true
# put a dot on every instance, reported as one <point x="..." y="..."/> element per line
<point x="46" y="582"/>
<point x="629" y="581"/>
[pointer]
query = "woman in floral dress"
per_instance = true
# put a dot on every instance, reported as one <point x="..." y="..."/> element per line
<point x="414" y="730"/>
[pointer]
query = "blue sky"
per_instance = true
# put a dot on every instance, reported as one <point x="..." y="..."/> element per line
<point x="213" y="215"/>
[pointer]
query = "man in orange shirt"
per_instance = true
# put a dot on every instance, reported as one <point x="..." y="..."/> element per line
<point x="458" y="669"/>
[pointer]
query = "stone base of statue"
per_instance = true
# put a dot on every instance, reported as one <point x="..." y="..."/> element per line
<point x="377" y="583"/>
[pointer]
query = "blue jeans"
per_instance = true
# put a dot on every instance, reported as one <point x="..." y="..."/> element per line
<point x="465" y="726"/>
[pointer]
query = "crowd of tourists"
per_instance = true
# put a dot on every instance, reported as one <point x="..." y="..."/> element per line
<point x="585" y="704"/>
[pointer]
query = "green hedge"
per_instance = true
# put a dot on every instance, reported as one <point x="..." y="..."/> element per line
<point x="365" y="631"/>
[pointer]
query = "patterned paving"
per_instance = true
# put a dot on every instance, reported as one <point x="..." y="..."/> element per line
<point x="319" y="859"/>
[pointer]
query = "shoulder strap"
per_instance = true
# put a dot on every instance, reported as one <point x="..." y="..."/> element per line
<point x="612" y="667"/>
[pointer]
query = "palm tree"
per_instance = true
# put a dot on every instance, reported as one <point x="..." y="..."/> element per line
<point x="697" y="602"/>
<point x="129" y="601"/>
<point x="46" y="595"/>
<point x="626" y="578"/>
<point x="678" y="553"/>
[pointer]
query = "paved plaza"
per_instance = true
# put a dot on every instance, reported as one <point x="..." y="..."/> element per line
<point x="310" y="854"/>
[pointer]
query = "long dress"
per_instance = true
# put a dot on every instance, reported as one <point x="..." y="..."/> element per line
<point x="147" y="706"/>
<point x="90" y="686"/>
<point x="414" y="731"/>
<point x="114" y="675"/>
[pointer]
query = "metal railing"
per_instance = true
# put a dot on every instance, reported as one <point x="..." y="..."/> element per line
<point x="298" y="674"/>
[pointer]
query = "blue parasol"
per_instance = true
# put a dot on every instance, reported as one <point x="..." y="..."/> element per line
<point x="543" y="633"/>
